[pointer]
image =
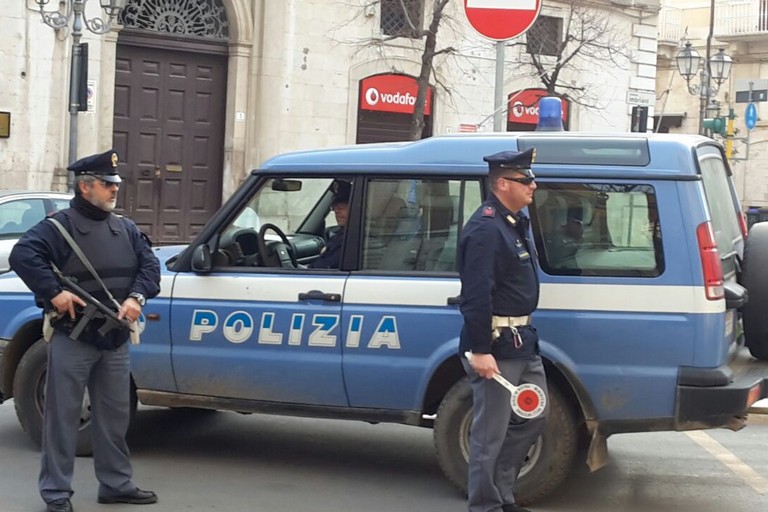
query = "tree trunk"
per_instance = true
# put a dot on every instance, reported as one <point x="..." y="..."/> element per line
<point x="430" y="43"/>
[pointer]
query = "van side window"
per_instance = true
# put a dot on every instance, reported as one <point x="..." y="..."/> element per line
<point x="597" y="229"/>
<point x="412" y="225"/>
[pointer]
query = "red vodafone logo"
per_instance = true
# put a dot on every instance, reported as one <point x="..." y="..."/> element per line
<point x="391" y="93"/>
<point x="524" y="106"/>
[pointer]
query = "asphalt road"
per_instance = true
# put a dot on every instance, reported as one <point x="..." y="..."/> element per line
<point x="229" y="462"/>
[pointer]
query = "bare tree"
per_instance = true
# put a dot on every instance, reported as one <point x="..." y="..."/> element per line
<point x="407" y="21"/>
<point x="590" y="38"/>
<point x="586" y="38"/>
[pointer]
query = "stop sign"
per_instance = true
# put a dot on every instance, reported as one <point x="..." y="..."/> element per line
<point x="501" y="19"/>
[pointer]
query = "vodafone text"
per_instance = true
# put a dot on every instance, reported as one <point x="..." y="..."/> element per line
<point x="373" y="96"/>
<point x="518" y="109"/>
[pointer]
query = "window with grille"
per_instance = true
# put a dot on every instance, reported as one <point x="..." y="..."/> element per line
<point x="402" y="18"/>
<point x="545" y="36"/>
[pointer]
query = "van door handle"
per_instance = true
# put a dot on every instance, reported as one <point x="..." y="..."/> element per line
<point x="454" y="301"/>
<point x="318" y="295"/>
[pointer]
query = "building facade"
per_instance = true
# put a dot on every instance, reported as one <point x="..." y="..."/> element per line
<point x="195" y="94"/>
<point x="740" y="28"/>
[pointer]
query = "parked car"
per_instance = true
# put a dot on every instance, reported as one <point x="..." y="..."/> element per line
<point x="19" y="211"/>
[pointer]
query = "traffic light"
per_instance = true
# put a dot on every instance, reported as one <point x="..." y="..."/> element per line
<point x="717" y="125"/>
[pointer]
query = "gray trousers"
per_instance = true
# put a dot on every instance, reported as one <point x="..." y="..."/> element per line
<point x="73" y="365"/>
<point x="499" y="439"/>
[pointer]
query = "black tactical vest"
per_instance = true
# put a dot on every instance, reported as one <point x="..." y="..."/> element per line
<point x="106" y="245"/>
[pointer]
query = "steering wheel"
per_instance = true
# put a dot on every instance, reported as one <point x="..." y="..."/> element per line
<point x="279" y="255"/>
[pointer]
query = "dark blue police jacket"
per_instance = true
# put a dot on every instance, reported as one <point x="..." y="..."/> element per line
<point x="331" y="256"/>
<point x="498" y="277"/>
<point x="43" y="244"/>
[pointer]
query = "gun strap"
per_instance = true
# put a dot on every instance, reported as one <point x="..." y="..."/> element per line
<point x="83" y="259"/>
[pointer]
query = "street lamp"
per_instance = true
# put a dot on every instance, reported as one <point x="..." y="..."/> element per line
<point x="74" y="11"/>
<point x="718" y="68"/>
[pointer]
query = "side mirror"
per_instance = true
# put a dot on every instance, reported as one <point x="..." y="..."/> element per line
<point x="201" y="258"/>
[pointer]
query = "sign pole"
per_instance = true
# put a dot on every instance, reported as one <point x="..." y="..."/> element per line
<point x="498" y="92"/>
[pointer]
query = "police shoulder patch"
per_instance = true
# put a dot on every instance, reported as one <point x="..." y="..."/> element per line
<point x="489" y="211"/>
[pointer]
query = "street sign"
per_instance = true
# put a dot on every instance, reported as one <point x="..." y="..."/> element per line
<point x="750" y="116"/>
<point x="756" y="95"/>
<point x="641" y="98"/>
<point x="501" y="19"/>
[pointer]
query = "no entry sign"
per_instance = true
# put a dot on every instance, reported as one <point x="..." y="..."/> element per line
<point x="501" y="19"/>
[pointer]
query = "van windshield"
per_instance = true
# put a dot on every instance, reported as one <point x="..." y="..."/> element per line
<point x="718" y="188"/>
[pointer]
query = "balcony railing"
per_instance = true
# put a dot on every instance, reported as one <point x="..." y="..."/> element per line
<point x="670" y="25"/>
<point x="741" y="17"/>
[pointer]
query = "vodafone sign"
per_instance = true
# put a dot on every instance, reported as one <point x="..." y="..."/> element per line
<point x="501" y="19"/>
<point x="391" y="93"/>
<point x="524" y="106"/>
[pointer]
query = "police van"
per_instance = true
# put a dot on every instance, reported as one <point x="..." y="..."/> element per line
<point x="645" y="268"/>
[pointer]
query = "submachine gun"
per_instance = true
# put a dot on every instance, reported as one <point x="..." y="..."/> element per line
<point x="92" y="308"/>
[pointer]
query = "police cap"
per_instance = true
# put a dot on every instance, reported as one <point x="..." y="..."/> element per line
<point x="341" y="191"/>
<point x="518" y="161"/>
<point x="102" y="166"/>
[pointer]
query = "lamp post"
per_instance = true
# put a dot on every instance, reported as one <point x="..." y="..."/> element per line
<point x="73" y="11"/>
<point x="717" y="69"/>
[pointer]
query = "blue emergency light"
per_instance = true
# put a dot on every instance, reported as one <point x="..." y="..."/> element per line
<point x="550" y="115"/>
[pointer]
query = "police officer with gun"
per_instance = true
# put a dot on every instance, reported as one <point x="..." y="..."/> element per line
<point x="499" y="292"/>
<point x="116" y="266"/>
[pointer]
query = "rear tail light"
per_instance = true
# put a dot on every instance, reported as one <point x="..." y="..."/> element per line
<point x="710" y="262"/>
<point x="743" y="225"/>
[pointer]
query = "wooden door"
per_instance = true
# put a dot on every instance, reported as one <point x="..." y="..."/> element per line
<point x="169" y="133"/>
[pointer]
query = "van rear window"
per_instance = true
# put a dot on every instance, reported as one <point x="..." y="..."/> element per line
<point x="722" y="206"/>
<point x="583" y="151"/>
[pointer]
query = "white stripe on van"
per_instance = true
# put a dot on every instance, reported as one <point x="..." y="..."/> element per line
<point x="435" y="293"/>
<point x="423" y="292"/>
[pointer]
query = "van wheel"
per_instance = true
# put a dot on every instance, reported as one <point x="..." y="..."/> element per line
<point x="755" y="279"/>
<point x="549" y="460"/>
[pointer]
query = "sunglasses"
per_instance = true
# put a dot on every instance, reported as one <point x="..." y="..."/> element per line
<point x="524" y="181"/>
<point x="104" y="183"/>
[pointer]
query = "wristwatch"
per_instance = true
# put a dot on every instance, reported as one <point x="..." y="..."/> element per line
<point x="139" y="298"/>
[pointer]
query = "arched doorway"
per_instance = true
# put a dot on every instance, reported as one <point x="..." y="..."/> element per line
<point x="169" y="114"/>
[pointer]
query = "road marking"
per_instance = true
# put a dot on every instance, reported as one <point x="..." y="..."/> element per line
<point x="731" y="461"/>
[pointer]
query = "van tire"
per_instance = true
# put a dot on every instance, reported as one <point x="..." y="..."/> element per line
<point x="755" y="279"/>
<point x="552" y="456"/>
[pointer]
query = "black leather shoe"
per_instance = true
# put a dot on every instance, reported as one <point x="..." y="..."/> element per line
<point x="514" y="507"/>
<point x="59" y="505"/>
<point x="136" y="497"/>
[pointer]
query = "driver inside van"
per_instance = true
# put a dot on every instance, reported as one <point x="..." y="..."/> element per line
<point x="330" y="257"/>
